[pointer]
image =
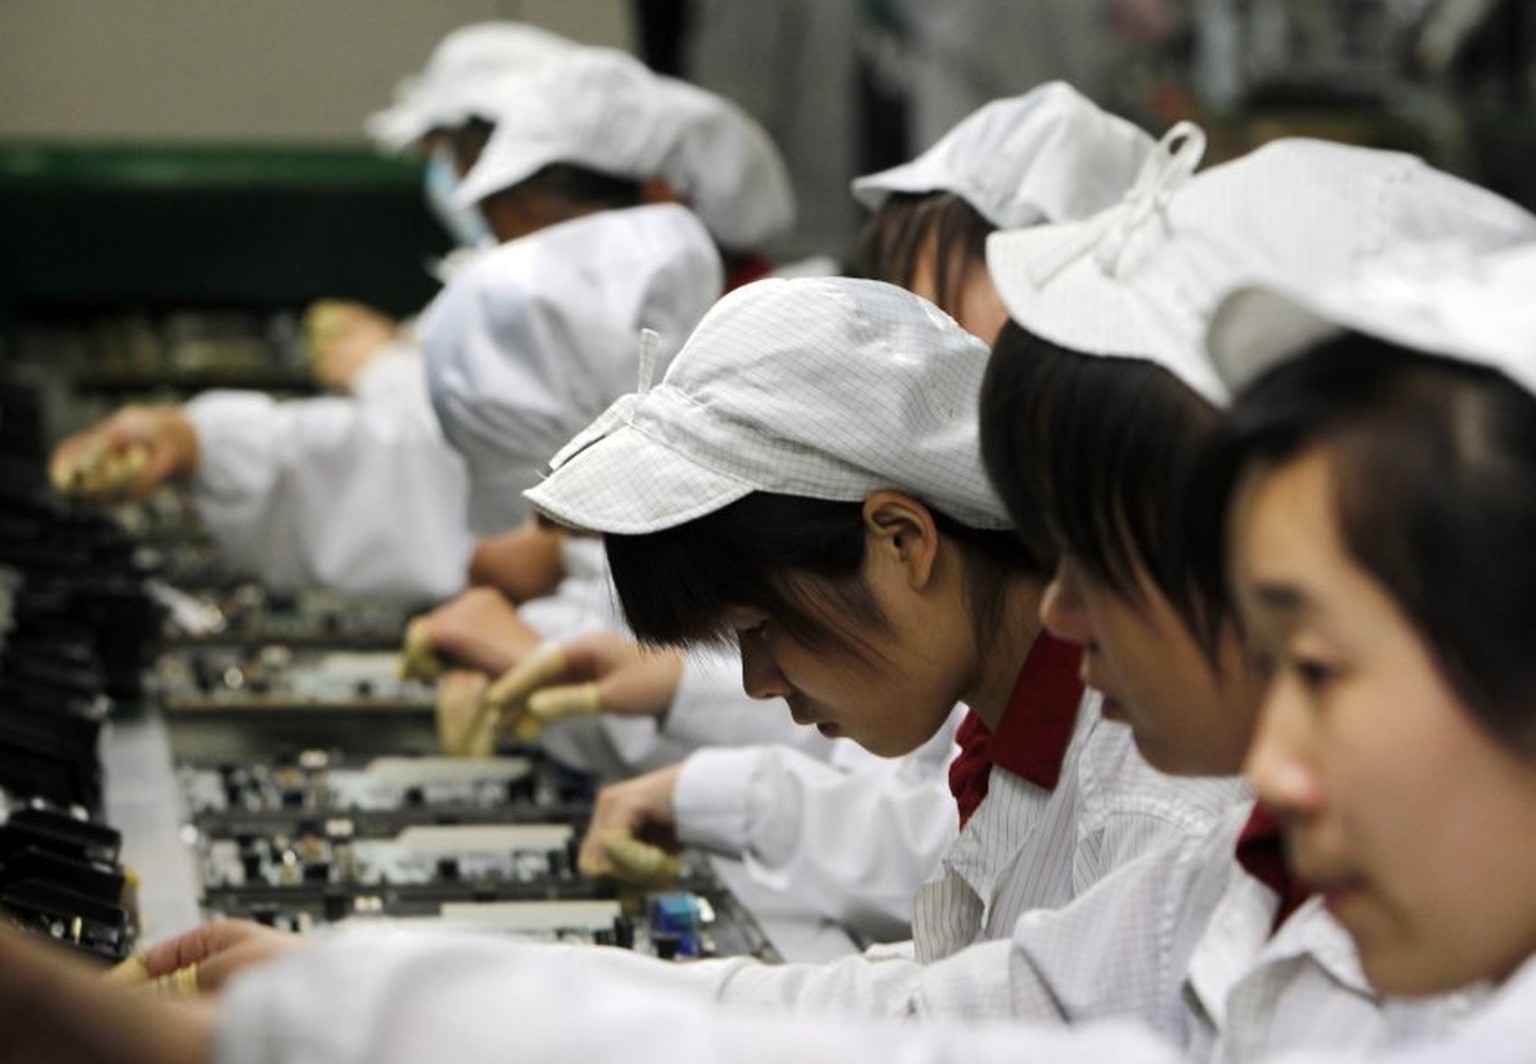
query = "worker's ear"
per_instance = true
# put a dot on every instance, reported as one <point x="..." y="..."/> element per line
<point x="660" y="190"/>
<point x="901" y="530"/>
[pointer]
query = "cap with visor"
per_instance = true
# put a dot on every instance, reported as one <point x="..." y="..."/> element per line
<point x="470" y="71"/>
<point x="824" y="388"/>
<point x="1047" y="156"/>
<point x="604" y="110"/>
<point x="1143" y="279"/>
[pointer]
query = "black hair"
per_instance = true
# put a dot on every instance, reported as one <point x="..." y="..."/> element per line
<point x="1101" y="455"/>
<point x="799" y="560"/>
<point x="583" y="186"/>
<point x="1434" y="469"/>
<point x="467" y="141"/>
<point x="895" y="238"/>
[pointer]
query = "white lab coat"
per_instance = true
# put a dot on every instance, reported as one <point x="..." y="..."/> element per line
<point x="360" y="494"/>
<point x="531" y="341"/>
<point x="1178" y="941"/>
<point x="850" y="838"/>
<point x="388" y="997"/>
<point x="1029" y="848"/>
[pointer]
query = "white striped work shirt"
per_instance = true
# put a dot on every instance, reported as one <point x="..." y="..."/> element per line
<point x="1028" y="847"/>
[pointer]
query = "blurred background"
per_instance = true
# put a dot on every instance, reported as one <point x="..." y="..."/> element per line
<point x="177" y="153"/>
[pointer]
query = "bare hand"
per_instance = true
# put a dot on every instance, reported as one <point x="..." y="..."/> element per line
<point x="126" y="456"/>
<point x="523" y="564"/>
<point x="341" y="337"/>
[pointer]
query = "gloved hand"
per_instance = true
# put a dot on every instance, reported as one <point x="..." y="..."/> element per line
<point x="479" y="630"/>
<point x="127" y="455"/>
<point x="341" y="337"/>
<point x="465" y="725"/>
<point x="418" y="657"/>
<point x="599" y="672"/>
<point x="526" y="698"/>
<point x="632" y="836"/>
<point x="205" y="958"/>
<point x="182" y="982"/>
<point x="630" y="860"/>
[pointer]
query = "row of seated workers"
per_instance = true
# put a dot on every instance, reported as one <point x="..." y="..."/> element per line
<point x="1142" y="551"/>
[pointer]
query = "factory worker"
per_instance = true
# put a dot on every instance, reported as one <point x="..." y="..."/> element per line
<point x="706" y="542"/>
<point x="596" y="124"/>
<point x="1208" y="942"/>
<point x="1049" y="155"/>
<point x="1446" y="694"/>
<point x="445" y="112"/>
<point x="295" y="492"/>
<point x="1379" y="523"/>
<point x="603" y="111"/>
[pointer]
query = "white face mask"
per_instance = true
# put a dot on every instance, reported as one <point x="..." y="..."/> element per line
<point x="465" y="224"/>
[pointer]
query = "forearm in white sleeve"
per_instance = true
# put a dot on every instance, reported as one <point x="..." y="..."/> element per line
<point x="401" y="998"/>
<point x="363" y="498"/>
<point x="394" y="374"/>
<point x="853" y="846"/>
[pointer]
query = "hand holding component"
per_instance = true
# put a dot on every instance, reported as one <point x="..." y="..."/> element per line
<point x="599" y="672"/>
<point x="205" y="958"/>
<point x="632" y="835"/>
<point x="479" y="630"/>
<point x="341" y="337"/>
<point x="126" y="456"/>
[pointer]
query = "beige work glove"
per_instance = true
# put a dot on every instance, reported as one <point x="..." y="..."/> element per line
<point x="182" y="982"/>
<point x="340" y="337"/>
<point x="465" y="725"/>
<point x="630" y="860"/>
<point x="633" y="832"/>
<point x="99" y="471"/>
<point x="126" y="456"/>
<point x="419" y="659"/>
<point x="525" y="699"/>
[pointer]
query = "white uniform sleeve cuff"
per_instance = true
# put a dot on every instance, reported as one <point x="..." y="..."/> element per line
<point x="713" y="798"/>
<point x="235" y="435"/>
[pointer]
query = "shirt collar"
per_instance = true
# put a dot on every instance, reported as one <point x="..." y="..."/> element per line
<point x="1261" y="852"/>
<point x="1032" y="738"/>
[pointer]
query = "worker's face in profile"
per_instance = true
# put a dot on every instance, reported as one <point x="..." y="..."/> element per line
<point x="1411" y="822"/>
<point x="885" y="695"/>
<point x="1188" y="716"/>
<point x="974" y="304"/>
<point x="886" y="677"/>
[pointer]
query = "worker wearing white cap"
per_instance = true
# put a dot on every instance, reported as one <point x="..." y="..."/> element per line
<point x="1206" y="941"/>
<point x="607" y="113"/>
<point x="1049" y="155"/>
<point x="296" y="493"/>
<point x="594" y="128"/>
<point x="788" y="398"/>
<point x="583" y="1003"/>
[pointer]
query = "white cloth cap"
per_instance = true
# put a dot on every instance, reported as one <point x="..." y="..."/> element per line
<point x="538" y="336"/>
<point x="825" y="388"/>
<point x="469" y="75"/>
<point x="1142" y="279"/>
<point x="1474" y="308"/>
<point x="1050" y="155"/>
<point x="603" y="110"/>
